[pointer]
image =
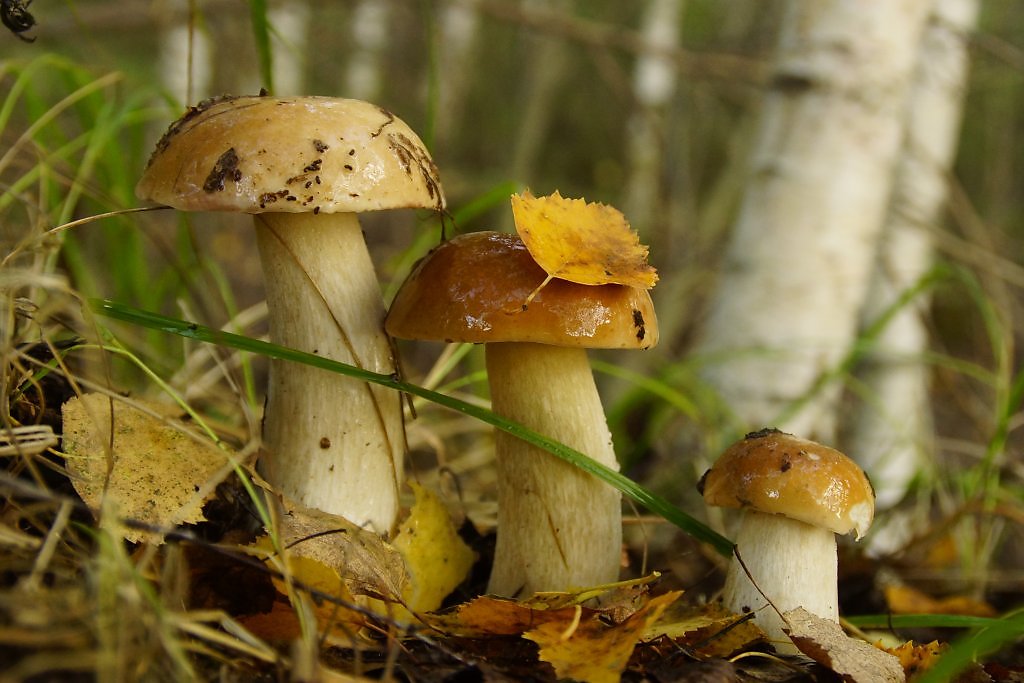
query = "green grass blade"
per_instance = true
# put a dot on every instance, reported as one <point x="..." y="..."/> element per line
<point x="973" y="646"/>
<point x="919" y="621"/>
<point x="641" y="495"/>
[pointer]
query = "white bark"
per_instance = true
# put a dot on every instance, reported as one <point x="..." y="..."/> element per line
<point x="792" y="564"/>
<point x="288" y="42"/>
<point x="558" y="528"/>
<point x="654" y="84"/>
<point x="543" y="74"/>
<point x="332" y="443"/>
<point x="796" y="269"/>
<point x="185" y="58"/>
<point x="458" y="29"/>
<point x="889" y="432"/>
<point x="364" y="72"/>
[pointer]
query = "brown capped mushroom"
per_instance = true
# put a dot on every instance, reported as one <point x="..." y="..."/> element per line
<point x="304" y="167"/>
<point x="558" y="528"/>
<point x="795" y="495"/>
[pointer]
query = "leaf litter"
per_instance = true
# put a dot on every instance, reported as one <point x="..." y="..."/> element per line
<point x="141" y="460"/>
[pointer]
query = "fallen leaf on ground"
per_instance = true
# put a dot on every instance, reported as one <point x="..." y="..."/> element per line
<point x="328" y="555"/>
<point x="907" y="600"/>
<point x="825" y="642"/>
<point x="364" y="572"/>
<point x="708" y="630"/>
<point x="153" y="470"/>
<point x="619" y="599"/>
<point x="363" y="561"/>
<point x="492" y="616"/>
<point x="587" y="243"/>
<point x="917" y="658"/>
<point x="436" y="557"/>
<point x="588" y="649"/>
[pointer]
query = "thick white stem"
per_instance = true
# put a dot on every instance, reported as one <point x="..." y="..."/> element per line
<point x="332" y="443"/>
<point x="792" y="563"/>
<point x="558" y="528"/>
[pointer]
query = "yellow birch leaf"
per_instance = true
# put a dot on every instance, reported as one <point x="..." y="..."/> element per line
<point x="587" y="243"/>
<point x="151" y="469"/>
<point x="587" y="649"/>
<point x="435" y="555"/>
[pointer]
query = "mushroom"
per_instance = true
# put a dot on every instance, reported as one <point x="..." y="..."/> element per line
<point x="558" y="527"/>
<point x="304" y="167"/>
<point x="795" y="495"/>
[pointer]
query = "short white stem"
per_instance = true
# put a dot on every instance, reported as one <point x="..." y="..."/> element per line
<point x="794" y="564"/>
<point x="558" y="528"/>
<point x="332" y="443"/>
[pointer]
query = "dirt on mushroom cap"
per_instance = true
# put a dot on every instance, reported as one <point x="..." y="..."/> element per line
<point x="291" y="154"/>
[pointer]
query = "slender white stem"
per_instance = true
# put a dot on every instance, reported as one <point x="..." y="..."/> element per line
<point x="558" y="528"/>
<point x="793" y="564"/>
<point x="332" y="443"/>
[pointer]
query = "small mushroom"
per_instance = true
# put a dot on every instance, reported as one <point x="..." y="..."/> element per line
<point x="558" y="528"/>
<point x="305" y="167"/>
<point x="795" y="495"/>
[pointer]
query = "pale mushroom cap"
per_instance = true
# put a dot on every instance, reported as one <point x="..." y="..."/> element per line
<point x="290" y="154"/>
<point x="777" y="473"/>
<point x="472" y="288"/>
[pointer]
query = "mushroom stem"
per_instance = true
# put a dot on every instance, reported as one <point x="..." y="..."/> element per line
<point x="332" y="443"/>
<point x="558" y="527"/>
<point x="794" y="564"/>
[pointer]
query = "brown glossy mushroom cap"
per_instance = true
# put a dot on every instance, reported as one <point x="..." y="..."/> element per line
<point x="777" y="473"/>
<point x="290" y="154"/>
<point x="472" y="288"/>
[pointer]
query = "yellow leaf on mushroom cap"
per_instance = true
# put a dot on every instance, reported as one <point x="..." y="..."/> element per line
<point x="586" y="243"/>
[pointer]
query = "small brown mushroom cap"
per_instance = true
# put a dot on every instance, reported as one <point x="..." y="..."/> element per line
<point x="777" y="473"/>
<point x="473" y="288"/>
<point x="259" y="154"/>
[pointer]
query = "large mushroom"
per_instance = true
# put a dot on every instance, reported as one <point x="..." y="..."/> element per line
<point x="305" y="167"/>
<point x="558" y="528"/>
<point x="796" y="495"/>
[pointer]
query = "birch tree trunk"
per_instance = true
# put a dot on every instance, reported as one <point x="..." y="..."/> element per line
<point x="291" y="22"/>
<point x="543" y="74"/>
<point x="654" y="84"/>
<point x="458" y="29"/>
<point x="796" y="269"/>
<point x="889" y="431"/>
<point x="369" y="35"/>
<point x="185" y="55"/>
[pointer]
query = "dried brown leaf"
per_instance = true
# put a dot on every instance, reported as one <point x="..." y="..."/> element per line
<point x="708" y="630"/>
<point x="825" y="642"/>
<point x="364" y="561"/>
